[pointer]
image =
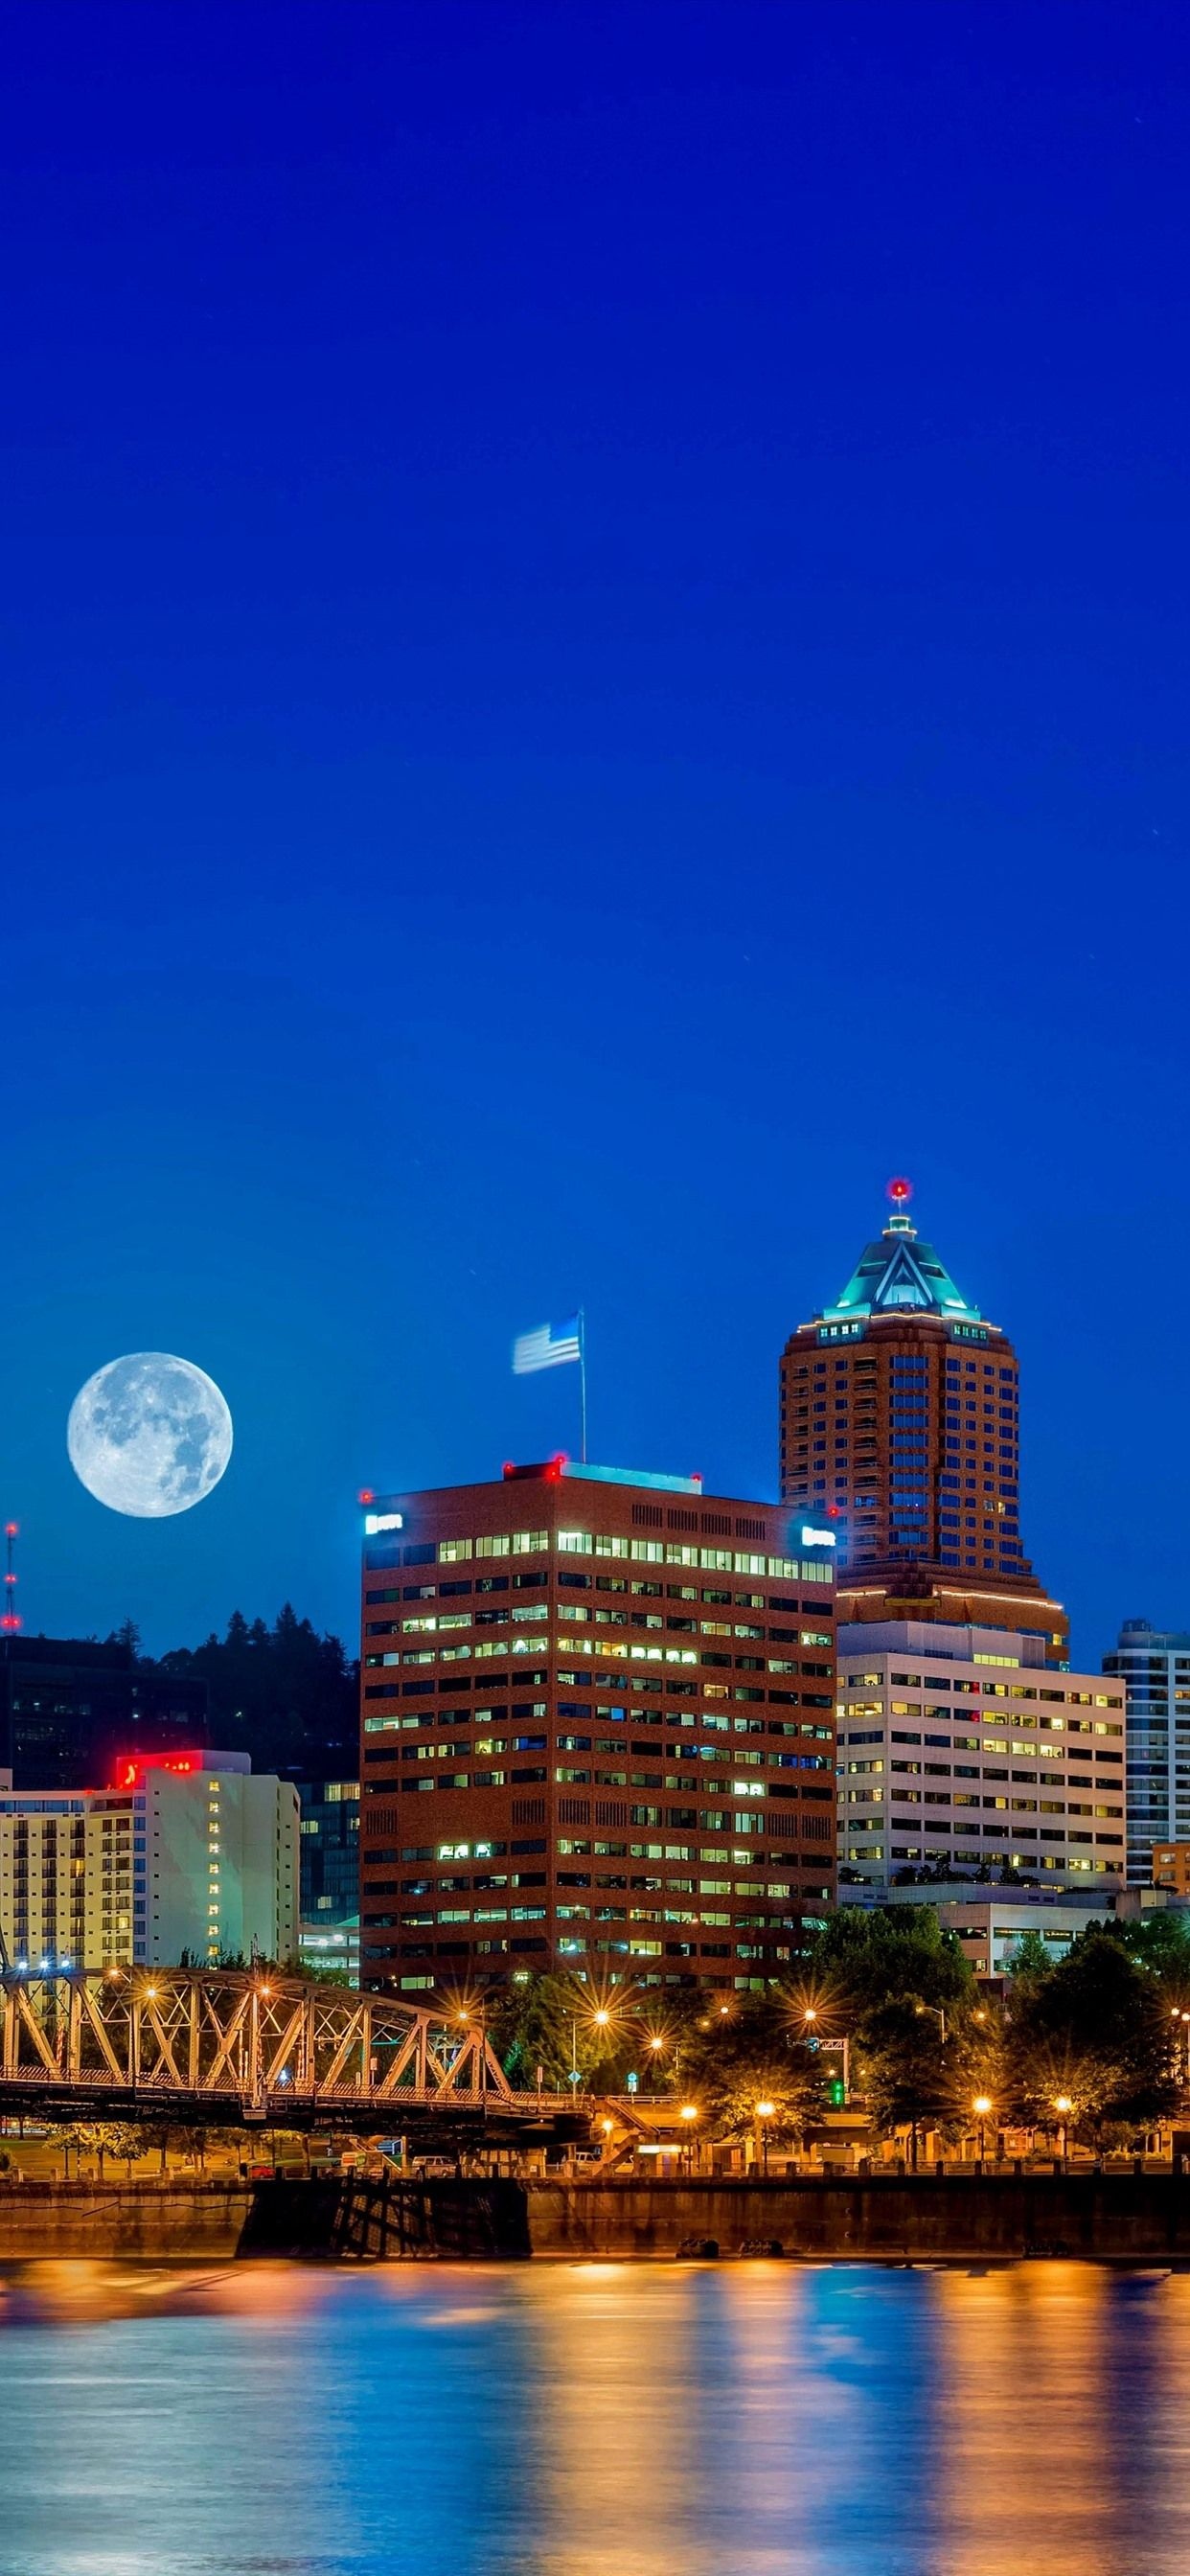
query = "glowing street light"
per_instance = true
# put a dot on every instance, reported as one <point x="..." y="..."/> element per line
<point x="981" y="2105"/>
<point x="1063" y="2106"/>
<point x="764" y="2112"/>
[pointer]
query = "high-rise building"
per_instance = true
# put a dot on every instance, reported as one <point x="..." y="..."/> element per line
<point x="186" y="1852"/>
<point x="597" y="1731"/>
<point x="329" y="1935"/>
<point x="69" y="1706"/>
<point x="1154" y="1666"/>
<point x="1171" y="1868"/>
<point x="898" y="1424"/>
<point x="962" y="1749"/>
<point x="330" y="1850"/>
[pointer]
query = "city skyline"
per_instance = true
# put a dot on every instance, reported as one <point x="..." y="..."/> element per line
<point x="133" y="1558"/>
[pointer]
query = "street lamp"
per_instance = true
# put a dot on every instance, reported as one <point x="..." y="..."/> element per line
<point x="810" y="2017"/>
<point x="1063" y="2106"/>
<point x="981" y="2105"/>
<point x="764" y="2111"/>
<point x="689" y="2113"/>
<point x="939" y="2017"/>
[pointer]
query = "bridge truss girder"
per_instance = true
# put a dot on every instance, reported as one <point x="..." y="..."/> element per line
<point x="181" y="2042"/>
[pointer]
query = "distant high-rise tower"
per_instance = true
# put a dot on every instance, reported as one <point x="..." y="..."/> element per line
<point x="899" y="1422"/>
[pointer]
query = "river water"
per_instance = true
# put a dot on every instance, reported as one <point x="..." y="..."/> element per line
<point x="593" y="2420"/>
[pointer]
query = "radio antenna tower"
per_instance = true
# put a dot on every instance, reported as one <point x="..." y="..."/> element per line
<point x="9" y="1617"/>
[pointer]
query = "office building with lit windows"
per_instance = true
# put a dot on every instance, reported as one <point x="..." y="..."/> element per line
<point x="70" y="1705"/>
<point x="899" y="1426"/>
<point x="597" y="1732"/>
<point x="1154" y="1666"/>
<point x="961" y="1749"/>
<point x="187" y="1852"/>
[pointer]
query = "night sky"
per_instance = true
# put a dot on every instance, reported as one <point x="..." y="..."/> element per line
<point x="594" y="620"/>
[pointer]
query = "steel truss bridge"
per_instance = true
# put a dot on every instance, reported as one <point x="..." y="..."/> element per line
<point x="170" y="2044"/>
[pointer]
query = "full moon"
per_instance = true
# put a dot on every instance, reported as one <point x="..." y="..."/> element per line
<point x="149" y="1435"/>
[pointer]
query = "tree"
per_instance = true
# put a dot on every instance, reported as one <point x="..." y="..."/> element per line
<point x="286" y="1695"/>
<point x="546" y="2022"/>
<point x="1160" y="1941"/>
<point x="1095" y="2030"/>
<point x="863" y="1960"/>
<point x="901" y="2062"/>
<point x="1028" y="1959"/>
<point x="753" y="2057"/>
<point x="104" y="2138"/>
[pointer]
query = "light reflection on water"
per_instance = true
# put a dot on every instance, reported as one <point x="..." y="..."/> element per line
<point x="593" y="2420"/>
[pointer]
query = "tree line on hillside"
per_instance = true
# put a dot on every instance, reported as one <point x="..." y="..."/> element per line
<point x="284" y="1694"/>
<point x="1090" y="2044"/>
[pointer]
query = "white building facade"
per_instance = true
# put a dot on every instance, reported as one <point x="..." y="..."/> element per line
<point x="188" y="1853"/>
<point x="959" y="1747"/>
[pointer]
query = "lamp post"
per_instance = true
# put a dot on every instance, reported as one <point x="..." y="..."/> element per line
<point x="810" y="2017"/>
<point x="690" y="2115"/>
<point x="981" y="2105"/>
<point x="601" y="2018"/>
<point x="1063" y="2106"/>
<point x="764" y="2113"/>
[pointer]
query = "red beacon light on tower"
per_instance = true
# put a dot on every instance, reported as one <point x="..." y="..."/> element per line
<point x="900" y="1191"/>
<point x="10" y="1619"/>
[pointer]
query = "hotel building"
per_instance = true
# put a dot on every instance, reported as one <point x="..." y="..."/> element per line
<point x="597" y="1731"/>
<point x="1154" y="1666"/>
<point x="899" y="1425"/>
<point x="188" y="1852"/>
<point x="961" y="1747"/>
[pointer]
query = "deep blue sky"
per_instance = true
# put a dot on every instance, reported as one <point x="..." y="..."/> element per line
<point x="594" y="626"/>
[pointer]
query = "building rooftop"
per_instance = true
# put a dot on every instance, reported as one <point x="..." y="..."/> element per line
<point x="552" y="1470"/>
<point x="946" y="1642"/>
<point x="900" y="1270"/>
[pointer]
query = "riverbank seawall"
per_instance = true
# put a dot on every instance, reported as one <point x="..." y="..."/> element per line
<point x="1141" y="2218"/>
<point x="882" y="2217"/>
<point x="160" y="2222"/>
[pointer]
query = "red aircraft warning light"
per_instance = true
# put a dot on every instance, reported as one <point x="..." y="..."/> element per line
<point x="10" y="1622"/>
<point x="900" y="1191"/>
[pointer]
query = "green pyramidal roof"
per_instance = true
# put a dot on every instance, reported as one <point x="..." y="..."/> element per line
<point x="899" y="1270"/>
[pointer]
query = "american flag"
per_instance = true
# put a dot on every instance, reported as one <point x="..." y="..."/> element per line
<point x="550" y="1346"/>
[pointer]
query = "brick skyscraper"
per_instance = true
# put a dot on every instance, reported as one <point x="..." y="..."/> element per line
<point x="598" y="1732"/>
<point x="899" y="1422"/>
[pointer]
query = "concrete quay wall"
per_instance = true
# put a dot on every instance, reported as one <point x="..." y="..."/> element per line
<point x="1127" y="2218"/>
<point x="159" y="2222"/>
<point x="1120" y="2217"/>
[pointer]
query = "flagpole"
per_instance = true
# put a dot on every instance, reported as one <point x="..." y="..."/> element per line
<point x="582" y="1382"/>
